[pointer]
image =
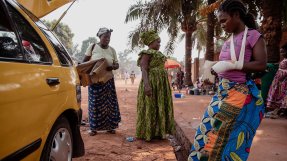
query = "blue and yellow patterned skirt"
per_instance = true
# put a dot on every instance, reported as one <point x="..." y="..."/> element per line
<point x="229" y="123"/>
<point x="104" y="113"/>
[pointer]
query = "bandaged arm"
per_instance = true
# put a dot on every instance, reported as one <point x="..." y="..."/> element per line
<point x="257" y="64"/>
<point x="223" y="66"/>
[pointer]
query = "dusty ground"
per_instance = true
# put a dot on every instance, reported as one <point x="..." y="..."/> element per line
<point x="269" y="143"/>
<point x="114" y="147"/>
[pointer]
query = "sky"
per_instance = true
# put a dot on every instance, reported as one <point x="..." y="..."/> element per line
<point x="85" y="17"/>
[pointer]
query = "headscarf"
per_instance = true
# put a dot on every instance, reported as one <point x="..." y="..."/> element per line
<point x="104" y="30"/>
<point x="148" y="37"/>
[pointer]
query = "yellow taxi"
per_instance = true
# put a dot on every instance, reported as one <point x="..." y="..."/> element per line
<point x="40" y="93"/>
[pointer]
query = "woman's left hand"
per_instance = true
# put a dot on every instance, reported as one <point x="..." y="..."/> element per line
<point x="110" y="68"/>
<point x="115" y="66"/>
<point x="213" y="72"/>
<point x="148" y="90"/>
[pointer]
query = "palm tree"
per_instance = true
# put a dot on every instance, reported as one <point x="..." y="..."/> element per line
<point x="254" y="6"/>
<point x="284" y="14"/>
<point x="157" y="15"/>
<point x="188" y="25"/>
<point x="172" y="15"/>
<point x="272" y="28"/>
<point x="274" y="15"/>
<point x="209" y="55"/>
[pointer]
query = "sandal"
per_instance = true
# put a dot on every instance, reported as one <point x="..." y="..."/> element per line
<point x="111" y="131"/>
<point x="92" y="132"/>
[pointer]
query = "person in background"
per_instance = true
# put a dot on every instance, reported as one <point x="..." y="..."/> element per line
<point x="198" y="83"/>
<point x="104" y="113"/>
<point x="236" y="110"/>
<point x="173" y="80"/>
<point x="126" y="77"/>
<point x="133" y="77"/>
<point x="179" y="77"/>
<point x="278" y="90"/>
<point x="266" y="80"/>
<point x="154" y="102"/>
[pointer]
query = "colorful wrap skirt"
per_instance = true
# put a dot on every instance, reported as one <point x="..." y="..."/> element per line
<point x="229" y="123"/>
<point x="104" y="113"/>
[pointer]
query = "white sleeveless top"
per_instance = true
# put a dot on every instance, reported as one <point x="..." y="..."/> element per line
<point x="109" y="54"/>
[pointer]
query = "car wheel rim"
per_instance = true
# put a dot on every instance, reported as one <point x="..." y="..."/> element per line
<point x="61" y="148"/>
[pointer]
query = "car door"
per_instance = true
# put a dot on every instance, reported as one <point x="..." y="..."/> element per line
<point x="30" y="85"/>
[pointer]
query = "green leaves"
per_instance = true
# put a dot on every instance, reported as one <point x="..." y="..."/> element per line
<point x="158" y="15"/>
<point x="135" y="12"/>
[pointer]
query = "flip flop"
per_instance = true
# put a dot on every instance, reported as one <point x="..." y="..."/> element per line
<point x="92" y="132"/>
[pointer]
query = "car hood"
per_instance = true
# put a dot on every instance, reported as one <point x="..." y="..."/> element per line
<point x="41" y="8"/>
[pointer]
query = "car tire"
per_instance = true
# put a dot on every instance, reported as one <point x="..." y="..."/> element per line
<point x="59" y="144"/>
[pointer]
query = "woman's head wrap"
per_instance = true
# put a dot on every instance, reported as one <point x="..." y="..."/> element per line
<point x="148" y="37"/>
<point x="103" y="31"/>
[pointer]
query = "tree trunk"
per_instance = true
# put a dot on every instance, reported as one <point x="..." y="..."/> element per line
<point x="188" y="58"/>
<point x="209" y="55"/>
<point x="188" y="26"/>
<point x="271" y="28"/>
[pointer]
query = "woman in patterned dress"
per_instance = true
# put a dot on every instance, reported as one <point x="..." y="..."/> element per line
<point x="278" y="90"/>
<point x="154" y="102"/>
<point x="104" y="113"/>
<point x="236" y="110"/>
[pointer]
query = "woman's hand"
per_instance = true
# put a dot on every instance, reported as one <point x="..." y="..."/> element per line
<point x="213" y="72"/>
<point x="115" y="66"/>
<point x="109" y="68"/>
<point x="148" y="90"/>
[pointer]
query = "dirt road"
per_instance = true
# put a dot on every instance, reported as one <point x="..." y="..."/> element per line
<point x="115" y="147"/>
<point x="269" y="143"/>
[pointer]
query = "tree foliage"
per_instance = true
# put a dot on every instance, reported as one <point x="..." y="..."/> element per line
<point x="64" y="34"/>
<point x="126" y="64"/>
<point x="172" y="15"/>
<point x="85" y="44"/>
<point x="157" y="15"/>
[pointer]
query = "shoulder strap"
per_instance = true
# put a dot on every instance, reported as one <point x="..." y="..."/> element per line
<point x="242" y="50"/>
<point x="94" y="44"/>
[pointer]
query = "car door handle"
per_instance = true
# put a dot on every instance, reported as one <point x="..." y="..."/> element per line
<point x="52" y="81"/>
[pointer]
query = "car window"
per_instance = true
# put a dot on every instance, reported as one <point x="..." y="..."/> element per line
<point x="61" y="52"/>
<point x="9" y="46"/>
<point x="34" y="48"/>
